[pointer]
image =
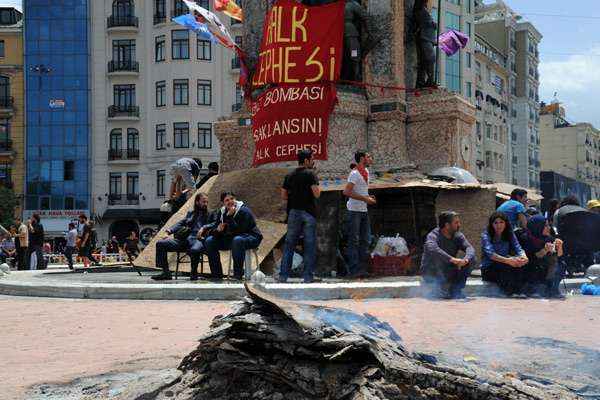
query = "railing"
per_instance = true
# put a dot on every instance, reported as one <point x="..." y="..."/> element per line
<point x="115" y="154"/>
<point x="159" y="19"/>
<point x="123" y="111"/>
<point x="7" y="102"/>
<point x="120" y="154"/>
<point x="120" y="200"/>
<point x="6" y="145"/>
<point x="123" y="65"/>
<point x="133" y="154"/>
<point x="236" y="107"/>
<point x="122" y="20"/>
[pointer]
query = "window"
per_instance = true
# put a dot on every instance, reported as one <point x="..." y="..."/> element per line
<point x="180" y="44"/>
<point x="123" y="8"/>
<point x="457" y="2"/>
<point x="69" y="170"/>
<point x="160" y="183"/>
<point x="160" y="11"/>
<point x="204" y="92"/>
<point x="203" y="50"/>
<point x="133" y="184"/>
<point x="204" y="136"/>
<point x="469" y="29"/>
<point x="45" y="203"/>
<point x="181" y="92"/>
<point x="488" y="131"/>
<point x="116" y="140"/>
<point x="495" y="133"/>
<point x="453" y="74"/>
<point x="133" y="139"/>
<point x="469" y="92"/>
<point x="469" y="60"/>
<point x="179" y="8"/>
<point x="115" y="184"/>
<point x="161" y="94"/>
<point x="161" y="136"/>
<point x="159" y="48"/>
<point x="1" y="48"/>
<point x="69" y="203"/>
<point x="4" y="87"/>
<point x="488" y="159"/>
<point x="123" y="51"/>
<point x="124" y="96"/>
<point x="4" y="132"/>
<point x="181" y="135"/>
<point x="239" y="94"/>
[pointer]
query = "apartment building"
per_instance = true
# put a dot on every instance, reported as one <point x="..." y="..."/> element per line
<point x="12" y="138"/>
<point x="569" y="149"/>
<point x="504" y="29"/>
<point x="492" y="101"/>
<point x="157" y="89"/>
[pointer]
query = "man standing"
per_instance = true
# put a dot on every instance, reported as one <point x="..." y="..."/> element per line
<point x="516" y="208"/>
<point x="184" y="173"/>
<point x="21" y="244"/>
<point x="358" y="225"/>
<point x="86" y="244"/>
<point x="301" y="189"/>
<point x="213" y="170"/>
<point x="440" y="265"/>
<point x="71" y="241"/>
<point x="36" y="241"/>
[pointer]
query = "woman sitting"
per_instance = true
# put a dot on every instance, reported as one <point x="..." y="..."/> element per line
<point x="546" y="268"/>
<point x="503" y="258"/>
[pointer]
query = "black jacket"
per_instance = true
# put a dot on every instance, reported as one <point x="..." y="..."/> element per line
<point x="192" y="221"/>
<point x="36" y="238"/>
<point x="242" y="222"/>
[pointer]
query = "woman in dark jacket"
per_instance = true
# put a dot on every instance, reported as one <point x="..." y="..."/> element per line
<point x="546" y="268"/>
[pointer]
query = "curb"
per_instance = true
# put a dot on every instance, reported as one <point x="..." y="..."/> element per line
<point x="227" y="292"/>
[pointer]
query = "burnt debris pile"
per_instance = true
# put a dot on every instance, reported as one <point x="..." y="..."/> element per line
<point x="272" y="349"/>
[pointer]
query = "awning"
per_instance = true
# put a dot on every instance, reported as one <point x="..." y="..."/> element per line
<point x="143" y="216"/>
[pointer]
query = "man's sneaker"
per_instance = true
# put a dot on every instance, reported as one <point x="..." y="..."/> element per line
<point x="194" y="277"/>
<point x="162" y="277"/>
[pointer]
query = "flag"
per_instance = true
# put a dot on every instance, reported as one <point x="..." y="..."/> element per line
<point x="212" y="22"/>
<point x="230" y="8"/>
<point x="452" y="41"/>
<point x="190" y="22"/>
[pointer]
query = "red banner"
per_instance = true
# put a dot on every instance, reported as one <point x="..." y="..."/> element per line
<point x="290" y="118"/>
<point x="301" y="44"/>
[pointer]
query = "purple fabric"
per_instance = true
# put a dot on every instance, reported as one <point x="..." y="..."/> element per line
<point x="452" y="41"/>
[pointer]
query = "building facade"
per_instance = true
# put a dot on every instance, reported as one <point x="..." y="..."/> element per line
<point x="499" y="26"/>
<point x="157" y="88"/>
<point x="12" y="138"/>
<point x="455" y="73"/>
<point x="572" y="150"/>
<point x="492" y="102"/>
<point x="57" y="91"/>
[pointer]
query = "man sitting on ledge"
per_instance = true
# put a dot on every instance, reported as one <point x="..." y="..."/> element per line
<point x="187" y="237"/>
<point x="235" y="229"/>
<point x="443" y="272"/>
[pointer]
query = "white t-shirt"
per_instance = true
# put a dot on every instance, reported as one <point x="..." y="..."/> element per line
<point x="361" y="188"/>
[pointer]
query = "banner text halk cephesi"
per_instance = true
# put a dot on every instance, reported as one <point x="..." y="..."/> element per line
<point x="301" y="44"/>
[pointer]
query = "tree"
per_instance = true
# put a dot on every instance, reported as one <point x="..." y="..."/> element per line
<point x="8" y="203"/>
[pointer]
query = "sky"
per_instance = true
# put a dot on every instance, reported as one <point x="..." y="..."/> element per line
<point x="569" y="52"/>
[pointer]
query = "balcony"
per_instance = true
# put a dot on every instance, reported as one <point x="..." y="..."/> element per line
<point x="236" y="107"/>
<point x="124" y="112"/>
<point x="121" y="200"/>
<point x="122" y="23"/>
<point x="7" y="103"/>
<point x="120" y="154"/>
<point x="123" y="67"/>
<point x="160" y="19"/>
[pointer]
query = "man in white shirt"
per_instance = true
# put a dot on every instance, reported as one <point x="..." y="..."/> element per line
<point x="358" y="225"/>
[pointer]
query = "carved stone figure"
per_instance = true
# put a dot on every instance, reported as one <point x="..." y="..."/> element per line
<point x="356" y="34"/>
<point x="426" y="36"/>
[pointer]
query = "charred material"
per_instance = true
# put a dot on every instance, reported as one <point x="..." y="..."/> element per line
<point x="272" y="349"/>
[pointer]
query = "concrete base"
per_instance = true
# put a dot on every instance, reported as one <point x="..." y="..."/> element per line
<point x="33" y="283"/>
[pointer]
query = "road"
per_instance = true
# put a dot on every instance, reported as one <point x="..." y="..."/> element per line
<point x="58" y="340"/>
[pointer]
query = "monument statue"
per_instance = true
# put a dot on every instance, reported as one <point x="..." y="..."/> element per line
<point x="426" y="37"/>
<point x="356" y="34"/>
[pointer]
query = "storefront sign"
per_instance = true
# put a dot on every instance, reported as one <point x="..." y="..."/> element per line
<point x="290" y="118"/>
<point x="56" y="103"/>
<point x="50" y="214"/>
<point x="301" y="44"/>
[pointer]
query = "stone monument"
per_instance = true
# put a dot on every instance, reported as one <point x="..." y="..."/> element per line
<point x="429" y="129"/>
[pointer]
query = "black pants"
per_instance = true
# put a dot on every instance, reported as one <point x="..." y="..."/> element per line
<point x="22" y="259"/>
<point x="510" y="280"/>
<point x="87" y="252"/>
<point x="69" y="255"/>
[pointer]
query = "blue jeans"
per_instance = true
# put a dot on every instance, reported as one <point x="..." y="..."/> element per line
<point x="300" y="222"/>
<point x="238" y="246"/>
<point x="192" y="246"/>
<point x="359" y="237"/>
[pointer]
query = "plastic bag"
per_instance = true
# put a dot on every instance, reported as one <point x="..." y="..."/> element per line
<point x="391" y="246"/>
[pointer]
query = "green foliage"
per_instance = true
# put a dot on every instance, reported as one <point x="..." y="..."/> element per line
<point x="8" y="203"/>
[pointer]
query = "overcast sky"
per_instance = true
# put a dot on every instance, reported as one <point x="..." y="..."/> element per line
<point x="569" y="52"/>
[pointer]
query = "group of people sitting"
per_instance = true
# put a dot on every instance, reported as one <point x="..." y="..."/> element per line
<point x="231" y="227"/>
<point x="526" y="261"/>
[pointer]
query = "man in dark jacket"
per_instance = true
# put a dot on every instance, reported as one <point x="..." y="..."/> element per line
<point x="234" y="229"/>
<point x="441" y="267"/>
<point x="192" y="226"/>
<point x="36" y="241"/>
